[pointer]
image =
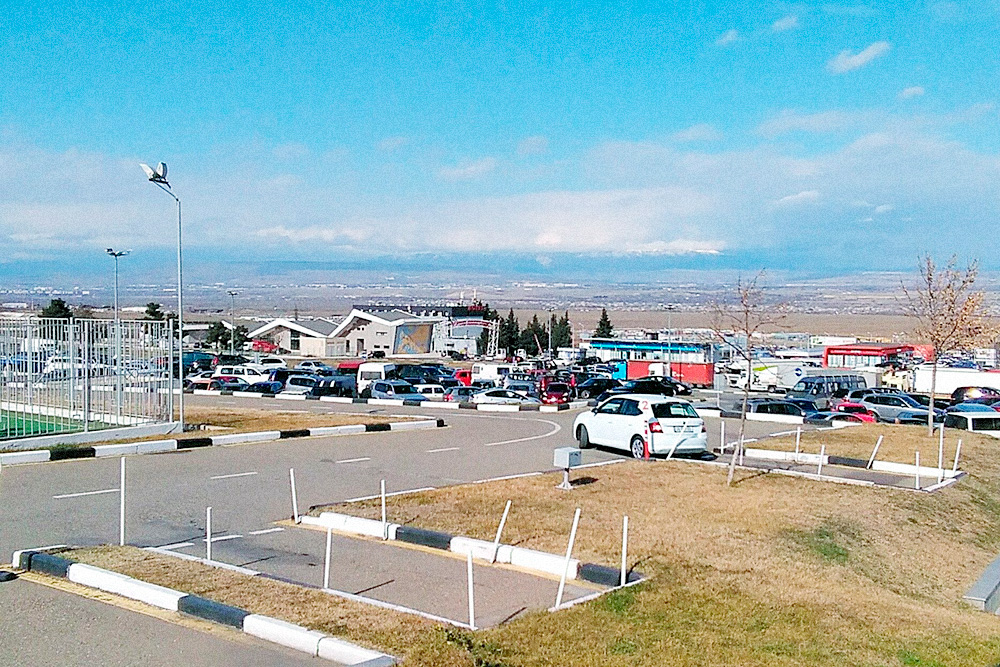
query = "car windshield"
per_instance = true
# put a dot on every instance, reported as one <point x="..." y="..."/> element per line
<point x="558" y="387"/>
<point x="404" y="389"/>
<point x="668" y="410"/>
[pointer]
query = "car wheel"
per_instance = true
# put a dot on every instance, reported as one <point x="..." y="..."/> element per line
<point x="585" y="393"/>
<point x="638" y="447"/>
<point x="583" y="437"/>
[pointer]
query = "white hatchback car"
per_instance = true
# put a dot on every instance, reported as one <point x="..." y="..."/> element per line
<point x="664" y="424"/>
<point x="503" y="397"/>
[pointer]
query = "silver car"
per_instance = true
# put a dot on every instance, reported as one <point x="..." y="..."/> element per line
<point x="888" y="406"/>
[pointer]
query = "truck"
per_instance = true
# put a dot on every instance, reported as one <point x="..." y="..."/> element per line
<point x="370" y="371"/>
<point x="494" y="373"/>
<point x="950" y="379"/>
<point x="771" y="374"/>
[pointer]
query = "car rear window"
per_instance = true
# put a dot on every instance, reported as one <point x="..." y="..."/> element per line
<point x="986" y="423"/>
<point x="558" y="386"/>
<point x="675" y="410"/>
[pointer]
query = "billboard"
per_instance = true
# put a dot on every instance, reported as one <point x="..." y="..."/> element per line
<point x="413" y="338"/>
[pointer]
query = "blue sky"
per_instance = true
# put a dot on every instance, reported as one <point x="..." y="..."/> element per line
<point x="819" y="137"/>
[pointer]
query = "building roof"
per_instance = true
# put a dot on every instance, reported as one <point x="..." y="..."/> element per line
<point x="390" y="318"/>
<point x="313" y="328"/>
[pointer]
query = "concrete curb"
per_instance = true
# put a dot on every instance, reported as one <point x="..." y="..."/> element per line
<point x="269" y="629"/>
<point x="158" y="446"/>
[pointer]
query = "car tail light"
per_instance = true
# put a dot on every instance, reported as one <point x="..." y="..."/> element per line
<point x="704" y="429"/>
<point x="654" y="427"/>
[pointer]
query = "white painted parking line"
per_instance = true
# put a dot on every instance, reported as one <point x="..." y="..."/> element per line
<point x="223" y="538"/>
<point x="235" y="474"/>
<point x="265" y="531"/>
<point x="358" y="460"/>
<point x="176" y="545"/>
<point x="555" y="429"/>
<point x="443" y="449"/>
<point x="394" y="493"/>
<point x="505" y="477"/>
<point x="84" y="493"/>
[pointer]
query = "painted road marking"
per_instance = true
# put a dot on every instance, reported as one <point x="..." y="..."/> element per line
<point x="394" y="493"/>
<point x="555" y="429"/>
<point x="84" y="493"/>
<point x="176" y="545"/>
<point x="223" y="538"/>
<point x="443" y="449"/>
<point x="358" y="460"/>
<point x="265" y="531"/>
<point x="237" y="474"/>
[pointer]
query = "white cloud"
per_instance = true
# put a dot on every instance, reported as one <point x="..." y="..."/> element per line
<point x="847" y="60"/>
<point x="467" y="170"/>
<point x="728" y="37"/>
<point x="390" y="144"/>
<point x="820" y="122"/>
<point x="884" y="208"/>
<point x="911" y="92"/>
<point x="789" y="22"/>
<point x="699" y="132"/>
<point x="533" y="146"/>
<point x="804" y="197"/>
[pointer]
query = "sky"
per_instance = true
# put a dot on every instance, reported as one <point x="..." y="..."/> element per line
<point x="609" y="140"/>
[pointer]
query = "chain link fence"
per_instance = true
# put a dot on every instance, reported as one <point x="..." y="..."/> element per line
<point x="67" y="376"/>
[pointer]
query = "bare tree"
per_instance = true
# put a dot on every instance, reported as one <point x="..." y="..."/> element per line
<point x="949" y="312"/>
<point x="745" y="317"/>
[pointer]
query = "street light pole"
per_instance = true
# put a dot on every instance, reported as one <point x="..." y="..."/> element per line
<point x="158" y="177"/>
<point x="232" y="319"/>
<point x="118" y="337"/>
<point x="670" y="339"/>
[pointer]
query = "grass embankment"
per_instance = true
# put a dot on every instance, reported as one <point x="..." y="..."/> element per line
<point x="773" y="571"/>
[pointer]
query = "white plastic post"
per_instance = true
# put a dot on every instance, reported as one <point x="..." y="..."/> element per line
<point x="295" y="498"/>
<point x="741" y="450"/>
<point x="496" y="540"/>
<point x="385" y="524"/>
<point x="871" y="459"/>
<point x="958" y="450"/>
<point x="941" y="454"/>
<point x="326" y="561"/>
<point x="798" y="442"/>
<point x="624" y="547"/>
<point x="121" y="507"/>
<point x="822" y="455"/>
<point x="722" y="435"/>
<point x="208" y="533"/>
<point x="472" y="598"/>
<point x="569" y="554"/>
<point x="916" y="477"/>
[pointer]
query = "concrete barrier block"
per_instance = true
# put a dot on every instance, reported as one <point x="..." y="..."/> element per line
<point x="486" y="407"/>
<point x="777" y="419"/>
<point x="22" y="559"/>
<point x="543" y="562"/>
<point x="385" y="401"/>
<point x="112" y="582"/>
<point x="154" y="446"/>
<point x="192" y="443"/>
<point x="414" y="425"/>
<point x="336" y="399"/>
<point x="17" y="458"/>
<point x="353" y="429"/>
<point x="65" y="454"/>
<point x="346" y="653"/>
<point x="504" y="553"/>
<point x="427" y="538"/>
<point x="48" y="564"/>
<point x="291" y="397"/>
<point x="295" y="433"/>
<point x="351" y="524"/>
<point x="124" y="449"/>
<point x="237" y="438"/>
<point x="282" y="632"/>
<point x="372" y="428"/>
<point x="600" y="574"/>
<point x="480" y="549"/>
<point x="212" y="611"/>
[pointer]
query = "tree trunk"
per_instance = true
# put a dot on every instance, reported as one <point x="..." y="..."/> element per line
<point x="743" y="423"/>
<point x="930" y="408"/>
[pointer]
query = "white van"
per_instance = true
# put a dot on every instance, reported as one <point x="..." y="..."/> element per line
<point x="977" y="422"/>
<point x="495" y="373"/>
<point x="433" y="392"/>
<point x="370" y="371"/>
<point x="248" y="373"/>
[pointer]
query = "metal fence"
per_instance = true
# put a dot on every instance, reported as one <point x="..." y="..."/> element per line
<point x="64" y="376"/>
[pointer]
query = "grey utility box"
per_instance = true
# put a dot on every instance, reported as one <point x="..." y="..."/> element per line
<point x="566" y="457"/>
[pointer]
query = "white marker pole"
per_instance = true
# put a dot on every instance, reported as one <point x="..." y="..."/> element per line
<point x="624" y="548"/>
<point x="798" y="442"/>
<point x="121" y="507"/>
<point x="958" y="450"/>
<point x="916" y="478"/>
<point x="722" y="435"/>
<point x="295" y="498"/>
<point x="822" y="455"/>
<point x="569" y="554"/>
<point x="385" y="525"/>
<point x="871" y="459"/>
<point x="208" y="533"/>
<point x="472" y="598"/>
<point x="741" y="450"/>
<point x="496" y="540"/>
<point x="941" y="454"/>
<point x="326" y="562"/>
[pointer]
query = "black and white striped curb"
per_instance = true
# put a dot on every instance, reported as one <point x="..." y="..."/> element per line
<point x="157" y="446"/>
<point x="440" y="405"/>
<point x="269" y="629"/>
<point x="526" y="559"/>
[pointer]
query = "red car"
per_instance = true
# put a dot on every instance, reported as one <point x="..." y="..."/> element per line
<point x="555" y="393"/>
<point x="857" y="410"/>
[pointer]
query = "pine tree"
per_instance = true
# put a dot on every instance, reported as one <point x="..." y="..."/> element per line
<point x="604" y="327"/>
<point x="57" y="308"/>
<point x="154" y="311"/>
<point x="510" y="330"/>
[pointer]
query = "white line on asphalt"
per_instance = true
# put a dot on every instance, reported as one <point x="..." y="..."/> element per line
<point x="394" y="493"/>
<point x="556" y="428"/>
<point x="443" y="449"/>
<point x="600" y="463"/>
<point x="177" y="545"/>
<point x="223" y="538"/>
<point x="236" y="474"/>
<point x="84" y="493"/>
<point x="359" y="460"/>
<point x="500" y="479"/>
<point x="265" y="531"/>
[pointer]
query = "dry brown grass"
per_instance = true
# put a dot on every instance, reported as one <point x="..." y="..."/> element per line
<point x="244" y="420"/>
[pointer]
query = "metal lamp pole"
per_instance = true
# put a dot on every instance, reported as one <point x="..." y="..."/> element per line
<point x="118" y="337"/>
<point x="232" y="319"/>
<point x="158" y="177"/>
<point x="670" y="339"/>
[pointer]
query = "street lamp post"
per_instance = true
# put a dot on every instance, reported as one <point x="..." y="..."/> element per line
<point x="232" y="319"/>
<point x="117" y="254"/>
<point x="670" y="339"/>
<point x="158" y="177"/>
